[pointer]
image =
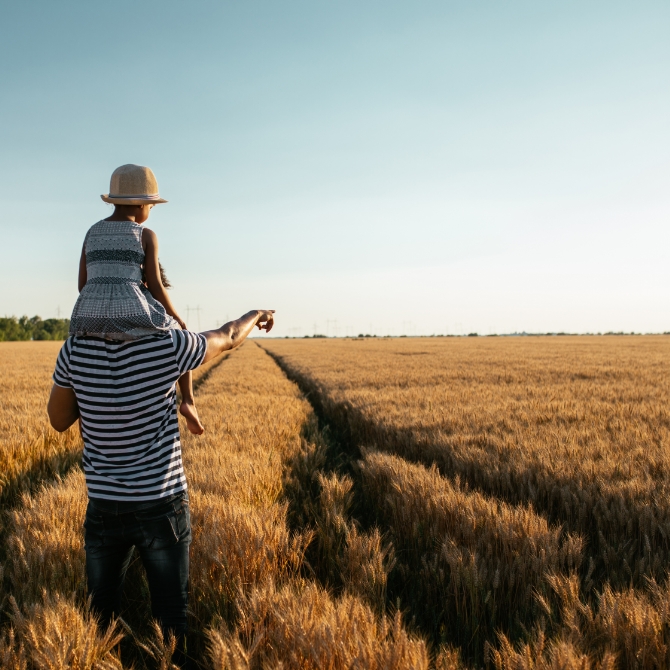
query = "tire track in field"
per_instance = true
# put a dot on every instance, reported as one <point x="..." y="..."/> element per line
<point x="474" y="567"/>
<point x="624" y="546"/>
<point x="244" y="553"/>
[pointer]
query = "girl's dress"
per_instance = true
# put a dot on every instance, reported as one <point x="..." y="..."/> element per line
<point x="114" y="303"/>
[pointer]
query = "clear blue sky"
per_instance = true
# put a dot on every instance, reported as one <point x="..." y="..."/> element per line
<point x="394" y="167"/>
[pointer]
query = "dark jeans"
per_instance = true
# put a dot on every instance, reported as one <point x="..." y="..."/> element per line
<point x="161" y="531"/>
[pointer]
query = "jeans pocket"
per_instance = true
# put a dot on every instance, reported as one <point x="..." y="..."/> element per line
<point x="183" y="519"/>
<point x="165" y="525"/>
<point x="94" y="529"/>
<point x="159" y="533"/>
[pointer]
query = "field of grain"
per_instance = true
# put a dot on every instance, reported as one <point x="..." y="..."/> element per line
<point x="248" y="571"/>
<point x="30" y="450"/>
<point x="523" y="484"/>
<point x="377" y="503"/>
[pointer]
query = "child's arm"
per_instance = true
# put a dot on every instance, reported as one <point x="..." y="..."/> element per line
<point x="153" y="274"/>
<point x="82" y="269"/>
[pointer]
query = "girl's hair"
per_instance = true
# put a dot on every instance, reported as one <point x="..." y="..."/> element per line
<point x="165" y="281"/>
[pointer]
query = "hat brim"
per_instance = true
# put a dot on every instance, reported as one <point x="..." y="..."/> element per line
<point x="132" y="201"/>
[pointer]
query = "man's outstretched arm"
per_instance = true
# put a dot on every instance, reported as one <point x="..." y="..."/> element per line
<point x="233" y="333"/>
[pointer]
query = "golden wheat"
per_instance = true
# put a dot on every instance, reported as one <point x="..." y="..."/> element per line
<point x="56" y="635"/>
<point x="301" y="626"/>
<point x="629" y="629"/>
<point x="242" y="544"/>
<point x="579" y="427"/>
<point x="45" y="544"/>
<point x="30" y="450"/>
<point x="560" y="430"/>
<point x="468" y="562"/>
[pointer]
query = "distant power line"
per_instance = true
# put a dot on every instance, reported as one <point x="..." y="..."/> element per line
<point x="197" y="312"/>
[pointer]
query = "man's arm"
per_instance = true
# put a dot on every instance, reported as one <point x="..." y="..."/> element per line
<point x="233" y="333"/>
<point x="62" y="409"/>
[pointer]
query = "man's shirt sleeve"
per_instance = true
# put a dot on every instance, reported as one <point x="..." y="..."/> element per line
<point x="61" y="375"/>
<point x="190" y="349"/>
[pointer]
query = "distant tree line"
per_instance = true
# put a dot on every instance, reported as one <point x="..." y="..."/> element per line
<point x="24" y="328"/>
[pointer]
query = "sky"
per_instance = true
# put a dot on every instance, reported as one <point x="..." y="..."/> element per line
<point x="358" y="166"/>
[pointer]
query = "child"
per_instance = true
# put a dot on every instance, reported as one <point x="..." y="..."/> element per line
<point x="121" y="293"/>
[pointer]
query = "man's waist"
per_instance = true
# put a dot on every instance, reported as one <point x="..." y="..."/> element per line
<point x="115" y="507"/>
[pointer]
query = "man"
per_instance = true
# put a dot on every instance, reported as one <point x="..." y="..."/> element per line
<point x="123" y="394"/>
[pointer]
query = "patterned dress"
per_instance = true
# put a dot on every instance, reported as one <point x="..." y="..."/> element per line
<point x="114" y="303"/>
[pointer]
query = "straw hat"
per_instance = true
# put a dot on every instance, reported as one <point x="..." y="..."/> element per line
<point x="133" y="185"/>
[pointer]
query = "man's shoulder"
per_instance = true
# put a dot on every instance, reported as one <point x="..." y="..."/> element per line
<point x="66" y="347"/>
<point x="104" y="342"/>
<point x="187" y="336"/>
<point x="187" y="339"/>
<point x="92" y="346"/>
<point x="190" y="349"/>
<point x="179" y="343"/>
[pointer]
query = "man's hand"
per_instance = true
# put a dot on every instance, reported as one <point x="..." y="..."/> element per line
<point x="232" y="334"/>
<point x="266" y="319"/>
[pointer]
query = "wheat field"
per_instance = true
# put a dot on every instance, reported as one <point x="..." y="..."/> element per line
<point x="248" y="571"/>
<point x="522" y="482"/>
<point x="30" y="450"/>
<point x="381" y="503"/>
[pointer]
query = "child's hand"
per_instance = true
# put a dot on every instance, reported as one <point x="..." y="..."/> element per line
<point x="181" y="322"/>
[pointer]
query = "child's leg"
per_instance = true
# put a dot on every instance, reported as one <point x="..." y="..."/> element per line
<point x="187" y="408"/>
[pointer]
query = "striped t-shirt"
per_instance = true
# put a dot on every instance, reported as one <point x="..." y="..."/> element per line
<point x="127" y="404"/>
